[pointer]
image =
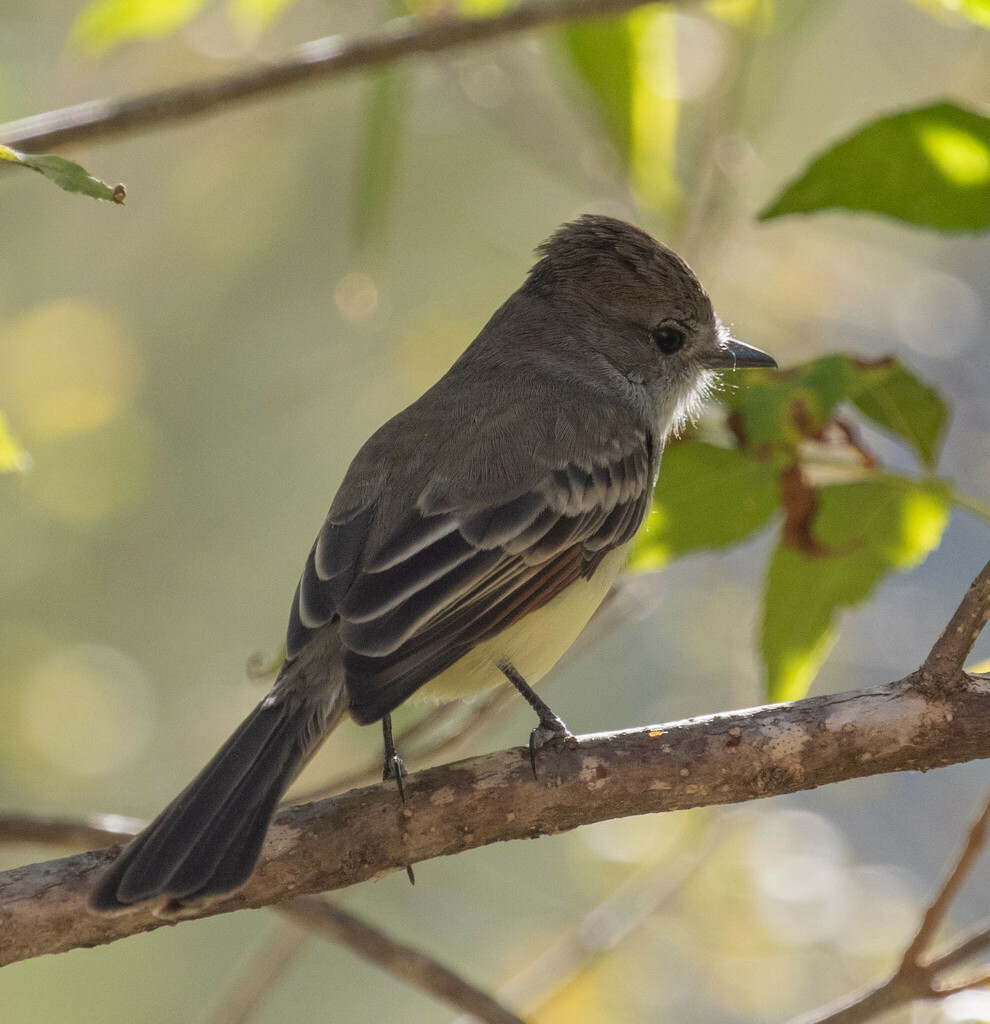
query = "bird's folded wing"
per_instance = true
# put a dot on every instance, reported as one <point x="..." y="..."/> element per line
<point x="440" y="584"/>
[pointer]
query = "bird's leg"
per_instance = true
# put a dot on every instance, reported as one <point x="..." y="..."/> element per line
<point x="550" y="728"/>
<point x="394" y="769"/>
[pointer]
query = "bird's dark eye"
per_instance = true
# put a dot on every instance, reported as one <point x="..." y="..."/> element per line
<point x="669" y="338"/>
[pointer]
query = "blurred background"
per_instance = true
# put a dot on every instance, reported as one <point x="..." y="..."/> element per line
<point x="191" y="374"/>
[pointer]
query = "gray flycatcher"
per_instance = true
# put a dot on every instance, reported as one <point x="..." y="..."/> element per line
<point x="472" y="538"/>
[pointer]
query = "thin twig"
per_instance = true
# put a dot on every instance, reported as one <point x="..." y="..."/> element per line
<point x="952" y="648"/>
<point x="613" y="921"/>
<point x="399" y="960"/>
<point x="938" y="908"/>
<point x="439" y="718"/>
<point x="451" y="726"/>
<point x="91" y="833"/>
<point x="318" y="59"/>
<point x="918" y="975"/>
<point x="258" y="974"/>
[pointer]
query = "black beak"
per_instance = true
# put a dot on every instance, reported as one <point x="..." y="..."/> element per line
<point x="733" y="355"/>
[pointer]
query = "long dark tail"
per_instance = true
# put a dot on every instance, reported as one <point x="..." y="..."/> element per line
<point x="206" y="842"/>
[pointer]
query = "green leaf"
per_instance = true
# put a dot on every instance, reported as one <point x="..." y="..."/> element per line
<point x="977" y="11"/>
<point x="929" y="166"/>
<point x="778" y="410"/>
<point x="895" y="399"/>
<point x="12" y="456"/>
<point x="630" y="68"/>
<point x="377" y="171"/>
<point x="104" y="24"/>
<point x="603" y="53"/>
<point x="870" y="528"/>
<point x="706" y="497"/>
<point x="66" y="174"/>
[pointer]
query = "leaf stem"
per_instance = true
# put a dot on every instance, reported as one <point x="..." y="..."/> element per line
<point x="974" y="506"/>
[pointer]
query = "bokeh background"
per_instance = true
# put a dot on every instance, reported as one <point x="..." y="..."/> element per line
<point x="191" y="373"/>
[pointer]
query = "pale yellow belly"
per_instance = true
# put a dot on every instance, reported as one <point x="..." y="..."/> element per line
<point x="534" y="644"/>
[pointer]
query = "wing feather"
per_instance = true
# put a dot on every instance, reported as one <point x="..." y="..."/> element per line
<point x="412" y="603"/>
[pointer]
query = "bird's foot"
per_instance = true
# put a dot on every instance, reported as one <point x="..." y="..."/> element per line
<point x="551" y="727"/>
<point x="550" y="730"/>
<point x="394" y="768"/>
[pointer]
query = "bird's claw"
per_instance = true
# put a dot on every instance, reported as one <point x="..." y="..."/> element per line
<point x="395" y="769"/>
<point x="550" y="730"/>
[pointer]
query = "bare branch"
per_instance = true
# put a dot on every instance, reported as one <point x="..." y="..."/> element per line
<point x="946" y="659"/>
<point x="94" y="831"/>
<point x="402" y="961"/>
<point x="935" y="913"/>
<point x="366" y="833"/>
<point x="258" y="974"/>
<point x="315" y="60"/>
<point x="630" y="905"/>
<point x="917" y="977"/>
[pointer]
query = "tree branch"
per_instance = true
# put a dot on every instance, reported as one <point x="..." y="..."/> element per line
<point x="265" y="967"/>
<point x="917" y="976"/>
<point x="952" y="648"/>
<point x="315" y="60"/>
<point x="367" y="833"/>
<point x="261" y="971"/>
<point x="402" y="961"/>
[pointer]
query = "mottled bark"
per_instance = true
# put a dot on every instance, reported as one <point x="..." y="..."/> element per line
<point x="367" y="833"/>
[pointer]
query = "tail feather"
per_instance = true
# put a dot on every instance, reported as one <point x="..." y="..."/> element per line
<point x="207" y="840"/>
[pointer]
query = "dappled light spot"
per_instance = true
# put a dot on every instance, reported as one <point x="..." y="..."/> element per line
<point x="881" y="910"/>
<point x="635" y="840"/>
<point x="960" y="156"/>
<point x="86" y="710"/>
<point x="89" y="478"/>
<point x="356" y="296"/>
<point x="69" y="367"/>
<point x="937" y="314"/>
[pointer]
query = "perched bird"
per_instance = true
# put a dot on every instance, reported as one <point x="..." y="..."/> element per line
<point x="472" y="538"/>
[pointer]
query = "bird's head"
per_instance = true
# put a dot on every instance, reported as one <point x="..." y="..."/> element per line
<point x="646" y="311"/>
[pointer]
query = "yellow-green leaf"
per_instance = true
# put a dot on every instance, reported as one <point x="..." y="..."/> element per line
<point x="378" y="165"/>
<point x="929" y="166"/>
<point x="895" y="399"/>
<point x="977" y="11"/>
<point x="867" y="529"/>
<point x="12" y="456"/>
<point x="104" y="24"/>
<point x="706" y="497"/>
<point x="778" y="410"/>
<point x="630" y="68"/>
<point x="66" y="174"/>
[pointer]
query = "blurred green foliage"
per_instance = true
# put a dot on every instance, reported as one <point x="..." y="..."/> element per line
<point x="12" y="456"/>
<point x="66" y="174"/>
<point x="862" y="531"/>
<point x="929" y="166"/>
<point x="976" y="10"/>
<point x="629" y="65"/>
<point x="104" y="24"/>
<point x="837" y="539"/>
